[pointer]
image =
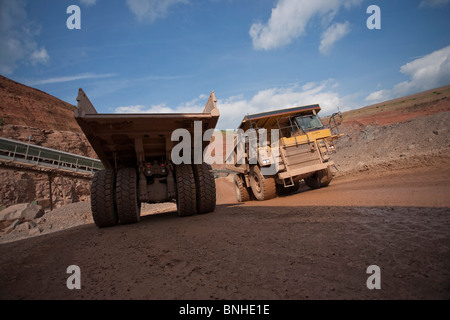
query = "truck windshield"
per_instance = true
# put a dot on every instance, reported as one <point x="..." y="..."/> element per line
<point x="309" y="123"/>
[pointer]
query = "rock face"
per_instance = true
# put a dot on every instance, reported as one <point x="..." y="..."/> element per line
<point x="30" y="115"/>
<point x="20" y="187"/>
<point x="29" y="107"/>
<point x="67" y="141"/>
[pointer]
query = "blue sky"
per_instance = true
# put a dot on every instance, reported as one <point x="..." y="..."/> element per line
<point x="257" y="55"/>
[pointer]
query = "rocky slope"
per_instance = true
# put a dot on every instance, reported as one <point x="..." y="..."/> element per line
<point x="406" y="132"/>
<point x="30" y="115"/>
<point x="25" y="106"/>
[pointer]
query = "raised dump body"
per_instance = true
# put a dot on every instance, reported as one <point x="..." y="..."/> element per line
<point x="137" y="152"/>
<point x="293" y="146"/>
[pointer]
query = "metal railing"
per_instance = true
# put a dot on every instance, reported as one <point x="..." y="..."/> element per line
<point x="16" y="152"/>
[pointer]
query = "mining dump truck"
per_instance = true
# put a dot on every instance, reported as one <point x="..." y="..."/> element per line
<point x="297" y="146"/>
<point x="136" y="151"/>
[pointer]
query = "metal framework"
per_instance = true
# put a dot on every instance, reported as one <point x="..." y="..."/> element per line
<point x="17" y="155"/>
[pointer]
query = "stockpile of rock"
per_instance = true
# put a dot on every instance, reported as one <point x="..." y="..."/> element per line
<point x="422" y="141"/>
<point x="20" y="217"/>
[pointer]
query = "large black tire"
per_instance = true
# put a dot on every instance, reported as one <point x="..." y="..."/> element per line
<point x="295" y="187"/>
<point x="186" y="192"/>
<point x="128" y="205"/>
<point x="103" y="205"/>
<point x="319" y="179"/>
<point x="281" y="190"/>
<point x="243" y="193"/>
<point x="205" y="185"/>
<point x="264" y="188"/>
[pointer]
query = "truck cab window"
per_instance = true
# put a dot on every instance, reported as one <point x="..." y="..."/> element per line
<point x="309" y="123"/>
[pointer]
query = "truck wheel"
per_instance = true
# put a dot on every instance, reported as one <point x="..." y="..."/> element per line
<point x="295" y="187"/>
<point x="243" y="193"/>
<point x="264" y="188"/>
<point x="205" y="188"/>
<point x="186" y="193"/>
<point x="319" y="179"/>
<point x="128" y="205"/>
<point x="282" y="190"/>
<point x="102" y="199"/>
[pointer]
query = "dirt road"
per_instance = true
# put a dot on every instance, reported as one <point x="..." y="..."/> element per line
<point x="309" y="245"/>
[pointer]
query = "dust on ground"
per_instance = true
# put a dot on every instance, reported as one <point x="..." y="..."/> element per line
<point x="315" y="244"/>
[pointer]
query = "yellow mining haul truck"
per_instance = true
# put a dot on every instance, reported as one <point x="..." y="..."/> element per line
<point x="136" y="151"/>
<point x="296" y="146"/>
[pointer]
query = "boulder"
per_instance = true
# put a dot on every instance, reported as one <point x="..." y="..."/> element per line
<point x="35" y="231"/>
<point x="23" y="227"/>
<point x="11" y="227"/>
<point x="22" y="211"/>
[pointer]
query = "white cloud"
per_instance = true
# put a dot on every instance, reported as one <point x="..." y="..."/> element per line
<point x="290" y="18"/>
<point x="39" y="56"/>
<point x="428" y="72"/>
<point x="88" y="2"/>
<point x="333" y="34"/>
<point x="434" y="3"/>
<point x="160" y="108"/>
<point x="233" y="109"/>
<point x="378" y="96"/>
<point x="70" y="78"/>
<point x="194" y="106"/>
<point x="151" y="10"/>
<point x="17" y="34"/>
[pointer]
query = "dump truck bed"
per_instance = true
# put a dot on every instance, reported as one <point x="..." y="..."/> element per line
<point x="113" y="136"/>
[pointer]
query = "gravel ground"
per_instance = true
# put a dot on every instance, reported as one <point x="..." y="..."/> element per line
<point x="314" y="244"/>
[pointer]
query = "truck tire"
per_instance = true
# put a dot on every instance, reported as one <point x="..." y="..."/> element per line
<point x="128" y="205"/>
<point x="319" y="179"/>
<point x="282" y="190"/>
<point x="205" y="186"/>
<point x="102" y="199"/>
<point x="295" y="187"/>
<point x="264" y="188"/>
<point x="186" y="193"/>
<point x="243" y="193"/>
